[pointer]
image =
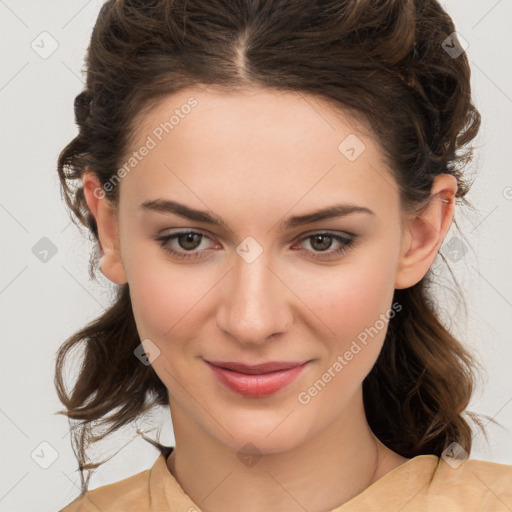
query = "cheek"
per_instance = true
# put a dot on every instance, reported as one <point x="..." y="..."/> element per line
<point x="356" y="303"/>
<point x="352" y="297"/>
<point x="167" y="308"/>
<point x="164" y="296"/>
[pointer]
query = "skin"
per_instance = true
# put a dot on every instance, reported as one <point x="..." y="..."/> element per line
<point x="255" y="158"/>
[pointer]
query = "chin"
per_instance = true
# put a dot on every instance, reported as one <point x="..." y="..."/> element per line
<point x="263" y="435"/>
<point x="253" y="443"/>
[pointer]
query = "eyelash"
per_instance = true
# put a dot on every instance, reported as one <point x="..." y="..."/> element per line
<point x="346" y="242"/>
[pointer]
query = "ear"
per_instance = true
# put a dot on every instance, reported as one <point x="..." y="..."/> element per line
<point x="424" y="233"/>
<point x="104" y="213"/>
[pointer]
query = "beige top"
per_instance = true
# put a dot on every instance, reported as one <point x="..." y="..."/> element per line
<point x="423" y="483"/>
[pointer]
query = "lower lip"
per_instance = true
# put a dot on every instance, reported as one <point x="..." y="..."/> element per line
<point x="260" y="385"/>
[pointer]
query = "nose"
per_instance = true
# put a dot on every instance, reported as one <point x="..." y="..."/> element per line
<point x="255" y="303"/>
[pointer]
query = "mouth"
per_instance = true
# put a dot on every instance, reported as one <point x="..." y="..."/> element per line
<point x="259" y="380"/>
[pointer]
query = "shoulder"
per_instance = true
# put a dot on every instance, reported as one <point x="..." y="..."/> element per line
<point x="473" y="485"/>
<point x="128" y="495"/>
<point x="428" y="482"/>
<point x="496" y="475"/>
<point x="472" y="466"/>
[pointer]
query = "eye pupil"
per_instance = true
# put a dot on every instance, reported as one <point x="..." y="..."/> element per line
<point x="323" y="246"/>
<point x="186" y="240"/>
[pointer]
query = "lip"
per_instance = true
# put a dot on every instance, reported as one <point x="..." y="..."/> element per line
<point x="258" y="380"/>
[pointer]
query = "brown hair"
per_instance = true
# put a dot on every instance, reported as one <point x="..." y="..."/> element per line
<point x="381" y="59"/>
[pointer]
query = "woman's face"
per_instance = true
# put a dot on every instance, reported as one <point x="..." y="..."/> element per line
<point x="260" y="279"/>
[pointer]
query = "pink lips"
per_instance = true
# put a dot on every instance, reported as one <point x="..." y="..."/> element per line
<point x="256" y="380"/>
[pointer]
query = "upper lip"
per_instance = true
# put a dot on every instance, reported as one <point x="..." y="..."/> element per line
<point x="254" y="369"/>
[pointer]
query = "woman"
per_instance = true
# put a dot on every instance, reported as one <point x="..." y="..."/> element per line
<point x="269" y="183"/>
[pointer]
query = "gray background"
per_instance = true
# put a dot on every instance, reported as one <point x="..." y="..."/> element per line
<point x="43" y="303"/>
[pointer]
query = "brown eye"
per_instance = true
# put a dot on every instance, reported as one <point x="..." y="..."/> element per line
<point x="189" y="241"/>
<point x="320" y="245"/>
<point x="321" y="242"/>
<point x="185" y="244"/>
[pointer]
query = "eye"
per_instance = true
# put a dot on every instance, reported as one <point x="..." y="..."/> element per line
<point x="187" y="244"/>
<point x="321" y="242"/>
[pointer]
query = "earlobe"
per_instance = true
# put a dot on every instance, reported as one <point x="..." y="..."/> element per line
<point x="111" y="264"/>
<point x="425" y="232"/>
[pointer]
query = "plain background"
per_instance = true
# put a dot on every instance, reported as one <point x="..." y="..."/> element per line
<point x="43" y="303"/>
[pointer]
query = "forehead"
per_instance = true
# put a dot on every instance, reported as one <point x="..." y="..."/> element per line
<point x="251" y="144"/>
<point x="251" y="113"/>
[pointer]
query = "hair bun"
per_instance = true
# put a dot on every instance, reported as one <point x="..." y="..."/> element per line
<point x="82" y="107"/>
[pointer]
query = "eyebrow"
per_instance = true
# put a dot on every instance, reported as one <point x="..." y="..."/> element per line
<point x="173" y="207"/>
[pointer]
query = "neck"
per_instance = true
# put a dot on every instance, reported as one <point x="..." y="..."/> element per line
<point x="320" y="474"/>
